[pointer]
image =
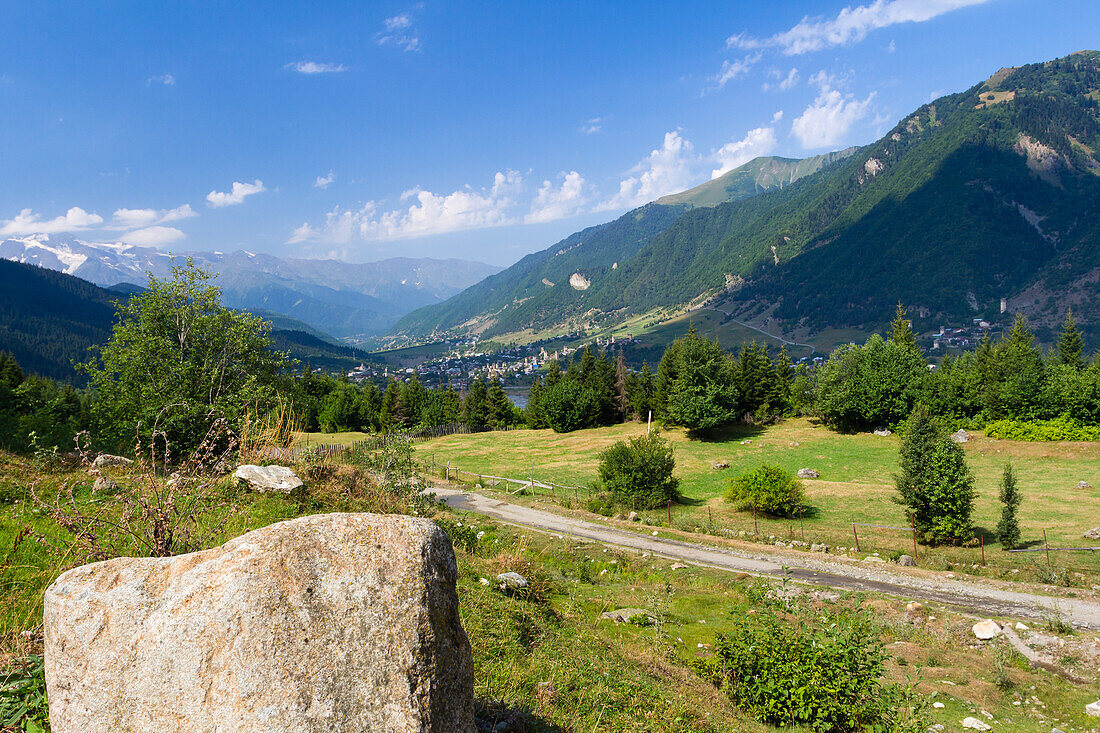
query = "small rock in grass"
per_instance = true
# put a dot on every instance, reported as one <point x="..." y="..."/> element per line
<point x="678" y="566"/>
<point x="1093" y="534"/>
<point x="975" y="724"/>
<point x="511" y="581"/>
<point x="104" y="484"/>
<point x="637" y="616"/>
<point x="873" y="558"/>
<point x="988" y="629"/>
<point x="1020" y="626"/>
<point x="960" y="436"/>
<point x="808" y="473"/>
<point x="1093" y="709"/>
<point x="719" y="465"/>
<point x="633" y="517"/>
<point x="883" y="432"/>
<point x="1084" y="485"/>
<point x="104" y="460"/>
<point x="907" y="561"/>
<point x="817" y="547"/>
<point x="268" y="479"/>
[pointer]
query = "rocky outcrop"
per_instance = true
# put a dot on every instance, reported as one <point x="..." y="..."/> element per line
<point x="268" y="479"/>
<point x="323" y="623"/>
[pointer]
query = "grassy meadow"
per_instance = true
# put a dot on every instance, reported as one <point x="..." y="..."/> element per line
<point x="856" y="485"/>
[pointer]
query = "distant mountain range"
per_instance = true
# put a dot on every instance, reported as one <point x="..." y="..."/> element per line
<point x="989" y="194"/>
<point x="49" y="320"/>
<point x="355" y="301"/>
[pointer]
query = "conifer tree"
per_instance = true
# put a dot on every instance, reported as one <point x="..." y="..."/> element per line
<point x="499" y="406"/>
<point x="1070" y="345"/>
<point x="1008" y="529"/>
<point x="622" y="400"/>
<point x="900" y="331"/>
<point x="475" y="408"/>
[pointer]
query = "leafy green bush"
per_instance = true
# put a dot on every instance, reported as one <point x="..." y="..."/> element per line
<point x="767" y="489"/>
<point x="640" y="471"/>
<point x="824" y="675"/>
<point x="569" y="406"/>
<point x="1062" y="428"/>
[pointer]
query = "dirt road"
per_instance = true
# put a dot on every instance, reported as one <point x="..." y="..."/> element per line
<point x="985" y="599"/>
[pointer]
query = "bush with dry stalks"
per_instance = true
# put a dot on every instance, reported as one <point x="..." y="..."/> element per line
<point x="144" y="510"/>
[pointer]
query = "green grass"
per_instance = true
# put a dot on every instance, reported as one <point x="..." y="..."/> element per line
<point x="856" y="484"/>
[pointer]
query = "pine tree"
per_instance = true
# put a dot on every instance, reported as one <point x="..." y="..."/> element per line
<point x="499" y="406"/>
<point x="935" y="484"/>
<point x="1070" y="345"/>
<point x="1008" y="530"/>
<point x="900" y="332"/>
<point x="475" y="409"/>
<point x="622" y="401"/>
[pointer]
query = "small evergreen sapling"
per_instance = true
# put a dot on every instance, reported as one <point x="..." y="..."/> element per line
<point x="1008" y="529"/>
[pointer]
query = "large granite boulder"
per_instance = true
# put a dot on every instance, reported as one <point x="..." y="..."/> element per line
<point x="268" y="479"/>
<point x="334" y="622"/>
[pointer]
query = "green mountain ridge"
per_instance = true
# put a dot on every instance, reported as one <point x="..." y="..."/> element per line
<point x="757" y="176"/>
<point x="986" y="194"/>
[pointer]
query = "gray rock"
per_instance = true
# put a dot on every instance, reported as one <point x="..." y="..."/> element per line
<point x="907" y="561"/>
<point x="327" y="622"/>
<point x="883" y="432"/>
<point x="808" y="473"/>
<point x="960" y="436"/>
<point x="104" y="484"/>
<point x="1093" y="534"/>
<point x="873" y="558"/>
<point x="975" y="724"/>
<point x="268" y="479"/>
<point x="1093" y="709"/>
<point x="719" y="465"/>
<point x="815" y="547"/>
<point x="1084" y="485"/>
<point x="988" y="629"/>
<point x="106" y="460"/>
<point x="625" y="615"/>
<point x="634" y="517"/>
<point x="511" y="581"/>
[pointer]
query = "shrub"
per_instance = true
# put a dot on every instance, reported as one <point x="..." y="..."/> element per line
<point x="23" y="696"/>
<point x="640" y="470"/>
<point x="825" y="676"/>
<point x="1008" y="529"/>
<point x="1062" y="428"/>
<point x="767" y="489"/>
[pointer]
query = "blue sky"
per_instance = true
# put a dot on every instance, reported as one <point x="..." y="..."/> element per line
<point x="451" y="129"/>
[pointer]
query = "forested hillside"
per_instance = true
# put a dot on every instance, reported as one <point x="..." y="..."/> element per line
<point x="986" y="194"/>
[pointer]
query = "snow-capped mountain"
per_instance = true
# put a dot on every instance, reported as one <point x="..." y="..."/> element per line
<point x="345" y="299"/>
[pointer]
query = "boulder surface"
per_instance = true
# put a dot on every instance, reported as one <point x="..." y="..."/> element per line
<point x="334" y="622"/>
<point x="268" y="479"/>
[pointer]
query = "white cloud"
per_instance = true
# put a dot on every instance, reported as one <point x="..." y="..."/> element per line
<point x="315" y="67"/>
<point x="732" y="69"/>
<point x="559" y="202"/>
<point x="427" y="214"/>
<point x="757" y="142"/>
<point x="217" y="199"/>
<point x="784" y="83"/>
<point x="135" y="218"/>
<point x="666" y="170"/>
<point x="829" y="118"/>
<point x="165" y="79"/>
<point x="851" y="25"/>
<point x="399" y="31"/>
<point x="592" y="126"/>
<point x="27" y="222"/>
<point x="152" y="236"/>
<point x="324" y="181"/>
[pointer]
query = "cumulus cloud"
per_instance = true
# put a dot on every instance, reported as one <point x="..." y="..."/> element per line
<point x="324" y="181"/>
<point x="732" y="69"/>
<point x="27" y="222"/>
<point x="156" y="236"/>
<point x="851" y="25"/>
<point x="137" y="218"/>
<point x="315" y="67"/>
<point x="666" y="170"/>
<point x="829" y="118"/>
<point x="559" y="202"/>
<point x="757" y="142"/>
<point x="399" y="31"/>
<point x="165" y="79"/>
<point x="217" y="199"/>
<point x="422" y="213"/>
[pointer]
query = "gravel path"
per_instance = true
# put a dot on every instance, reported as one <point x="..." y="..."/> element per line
<point x="983" y="598"/>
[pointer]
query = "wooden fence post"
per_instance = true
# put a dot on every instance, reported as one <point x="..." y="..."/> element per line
<point x="801" y="525"/>
<point x="982" y="536"/>
<point x="669" y="507"/>
<point x="1047" y="546"/>
<point x="755" y="526"/>
<point x="710" y="521"/>
<point x="855" y="535"/>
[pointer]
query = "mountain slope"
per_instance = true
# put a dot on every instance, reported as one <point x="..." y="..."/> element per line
<point x="347" y="299"/>
<point x="986" y="194"/>
<point x="756" y="176"/>
<point x="50" y="320"/>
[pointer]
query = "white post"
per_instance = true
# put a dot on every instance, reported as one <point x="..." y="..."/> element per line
<point x="649" y="422"/>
